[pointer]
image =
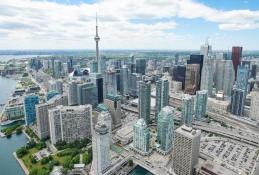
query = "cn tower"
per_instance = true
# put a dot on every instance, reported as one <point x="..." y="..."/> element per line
<point x="97" y="39"/>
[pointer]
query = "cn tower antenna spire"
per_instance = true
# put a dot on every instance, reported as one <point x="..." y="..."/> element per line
<point x="97" y="39"/>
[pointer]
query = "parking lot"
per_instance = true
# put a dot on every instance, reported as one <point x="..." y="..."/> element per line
<point x="236" y="156"/>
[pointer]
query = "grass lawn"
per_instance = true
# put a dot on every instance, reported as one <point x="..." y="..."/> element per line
<point x="27" y="160"/>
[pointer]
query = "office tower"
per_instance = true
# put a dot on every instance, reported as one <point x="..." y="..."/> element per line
<point x="110" y="82"/>
<point x="206" y="50"/>
<point x="94" y="67"/>
<point x="101" y="149"/>
<point x="162" y="94"/>
<point x="134" y="84"/>
<point x="70" y="123"/>
<point x="187" y="110"/>
<point x="29" y="108"/>
<point x="242" y="77"/>
<point x="64" y="69"/>
<point x="186" y="150"/>
<point x="51" y="94"/>
<point x="87" y="94"/>
<point x="35" y="64"/>
<point x="192" y="78"/>
<point x="237" y="101"/>
<point x="253" y="71"/>
<point x="197" y="59"/>
<point x="141" y="137"/>
<point x="114" y="105"/>
<point x="70" y="64"/>
<point x="201" y="104"/>
<point x="144" y="101"/>
<point x="42" y="114"/>
<point x="225" y="76"/>
<point x="57" y="69"/>
<point x="72" y="93"/>
<point x="254" y="114"/>
<point x="98" y="79"/>
<point x="176" y="58"/>
<point x="97" y="39"/>
<point x="165" y="129"/>
<point x="236" y="58"/>
<point x="118" y="80"/>
<point x="178" y="74"/>
<point x="124" y="80"/>
<point x="207" y="75"/>
<point x="141" y="66"/>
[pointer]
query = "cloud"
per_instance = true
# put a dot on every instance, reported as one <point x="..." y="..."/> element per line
<point x="42" y="20"/>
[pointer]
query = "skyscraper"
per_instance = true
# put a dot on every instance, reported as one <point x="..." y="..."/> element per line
<point x="236" y="58"/>
<point x="141" y="137"/>
<point x="242" y="77"/>
<point x="201" y="104"/>
<point x="162" y="94"/>
<point x="105" y="117"/>
<point x="98" y="79"/>
<point x="42" y="114"/>
<point x="254" y="114"/>
<point x="124" y="80"/>
<point x="225" y="76"/>
<point x="144" y="101"/>
<point x="178" y="74"/>
<point x="187" y="110"/>
<point x="29" y="108"/>
<point x="237" y="101"/>
<point x="110" y="82"/>
<point x="87" y="94"/>
<point x="70" y="123"/>
<point x="72" y="93"/>
<point x="101" y="149"/>
<point x="207" y="75"/>
<point x="113" y="102"/>
<point x="186" y="150"/>
<point x="165" y="129"/>
<point x="141" y="66"/>
<point x="197" y="59"/>
<point x="134" y="84"/>
<point x="192" y="78"/>
<point x="206" y="50"/>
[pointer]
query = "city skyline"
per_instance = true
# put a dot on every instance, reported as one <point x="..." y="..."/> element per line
<point x="170" y="25"/>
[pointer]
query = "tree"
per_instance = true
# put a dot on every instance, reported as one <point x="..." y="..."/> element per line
<point x="21" y="152"/>
<point x="130" y="162"/>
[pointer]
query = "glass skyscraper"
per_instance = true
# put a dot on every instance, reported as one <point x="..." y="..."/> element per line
<point x="141" y="136"/>
<point x="29" y="108"/>
<point x="187" y="109"/>
<point x="165" y="129"/>
<point x="162" y="94"/>
<point x="201" y="104"/>
<point x="144" y="101"/>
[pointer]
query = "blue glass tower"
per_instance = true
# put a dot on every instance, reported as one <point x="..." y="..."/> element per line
<point x="29" y="108"/>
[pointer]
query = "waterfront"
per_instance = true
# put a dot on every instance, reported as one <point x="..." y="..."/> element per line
<point x="138" y="170"/>
<point x="8" y="164"/>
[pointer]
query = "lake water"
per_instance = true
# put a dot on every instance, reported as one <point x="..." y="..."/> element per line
<point x="8" y="164"/>
<point x="138" y="170"/>
<point x="9" y="57"/>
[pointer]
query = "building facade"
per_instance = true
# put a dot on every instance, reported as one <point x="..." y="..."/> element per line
<point x="192" y="78"/>
<point x="187" y="110"/>
<point x="201" y="104"/>
<point x="186" y="150"/>
<point x="144" y="101"/>
<point x="30" y="101"/>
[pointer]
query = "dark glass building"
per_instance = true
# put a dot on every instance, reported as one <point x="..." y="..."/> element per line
<point x="197" y="59"/>
<point x="178" y="74"/>
<point x="141" y="66"/>
<point x="236" y="57"/>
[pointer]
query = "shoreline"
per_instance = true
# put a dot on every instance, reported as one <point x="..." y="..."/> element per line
<point x="24" y="168"/>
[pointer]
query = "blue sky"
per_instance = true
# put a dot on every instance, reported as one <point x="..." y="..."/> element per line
<point x="129" y="24"/>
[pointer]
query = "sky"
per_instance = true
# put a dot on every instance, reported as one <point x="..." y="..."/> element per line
<point x="129" y="24"/>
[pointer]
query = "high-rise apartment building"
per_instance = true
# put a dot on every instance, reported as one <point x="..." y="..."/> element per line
<point x="113" y="103"/>
<point x="201" y="104"/>
<point x="70" y="123"/>
<point x="144" y="101"/>
<point x="42" y="114"/>
<point x="254" y="114"/>
<point x="111" y="82"/>
<point x="101" y="149"/>
<point x="87" y="94"/>
<point x="162" y="94"/>
<point x="124" y="80"/>
<point x="186" y="150"/>
<point x="207" y="75"/>
<point x="187" y="110"/>
<point x="192" y="78"/>
<point x="72" y="93"/>
<point x="134" y="84"/>
<point x="236" y="58"/>
<point x="165" y="130"/>
<point x="242" y="77"/>
<point x="141" y="137"/>
<point x="30" y="101"/>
